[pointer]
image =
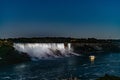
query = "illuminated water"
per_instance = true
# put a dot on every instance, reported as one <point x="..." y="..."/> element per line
<point x="61" y="68"/>
<point x="45" y="50"/>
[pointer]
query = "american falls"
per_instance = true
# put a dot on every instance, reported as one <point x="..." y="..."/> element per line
<point x="45" y="50"/>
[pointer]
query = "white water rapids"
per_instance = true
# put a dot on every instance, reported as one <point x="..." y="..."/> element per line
<point x="45" y="50"/>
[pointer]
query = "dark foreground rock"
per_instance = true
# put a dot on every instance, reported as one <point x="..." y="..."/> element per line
<point x="8" y="55"/>
<point x="109" y="77"/>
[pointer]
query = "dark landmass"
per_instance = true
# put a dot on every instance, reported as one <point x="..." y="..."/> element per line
<point x="8" y="55"/>
<point x="60" y="40"/>
<point x="106" y="77"/>
<point x="109" y="77"/>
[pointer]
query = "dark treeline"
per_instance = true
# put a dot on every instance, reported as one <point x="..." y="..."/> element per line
<point x="58" y="40"/>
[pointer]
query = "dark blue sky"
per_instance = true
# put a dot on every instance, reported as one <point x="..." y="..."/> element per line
<point x="62" y="18"/>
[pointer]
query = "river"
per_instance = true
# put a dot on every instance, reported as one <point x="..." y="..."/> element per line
<point x="62" y="68"/>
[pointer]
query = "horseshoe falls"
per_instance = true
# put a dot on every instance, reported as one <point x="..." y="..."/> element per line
<point x="45" y="50"/>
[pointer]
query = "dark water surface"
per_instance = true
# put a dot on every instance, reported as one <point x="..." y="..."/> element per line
<point x="58" y="69"/>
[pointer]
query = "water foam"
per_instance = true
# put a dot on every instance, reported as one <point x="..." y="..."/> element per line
<point x="45" y="50"/>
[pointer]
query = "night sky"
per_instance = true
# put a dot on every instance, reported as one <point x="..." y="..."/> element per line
<point x="60" y="18"/>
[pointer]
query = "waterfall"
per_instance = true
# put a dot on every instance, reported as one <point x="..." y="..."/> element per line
<point x="45" y="50"/>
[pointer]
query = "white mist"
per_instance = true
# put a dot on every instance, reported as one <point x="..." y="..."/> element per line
<point x="45" y="50"/>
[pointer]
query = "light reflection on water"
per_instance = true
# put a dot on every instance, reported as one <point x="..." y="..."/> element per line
<point x="79" y="67"/>
<point x="92" y="58"/>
